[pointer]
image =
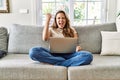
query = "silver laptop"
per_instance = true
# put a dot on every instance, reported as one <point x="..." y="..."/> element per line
<point x="63" y="45"/>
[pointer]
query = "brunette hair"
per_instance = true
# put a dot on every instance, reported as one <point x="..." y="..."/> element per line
<point x="67" y="30"/>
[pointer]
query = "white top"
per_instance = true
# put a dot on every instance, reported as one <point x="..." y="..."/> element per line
<point x="58" y="32"/>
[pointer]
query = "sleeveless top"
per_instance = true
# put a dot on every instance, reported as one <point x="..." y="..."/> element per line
<point x="58" y="32"/>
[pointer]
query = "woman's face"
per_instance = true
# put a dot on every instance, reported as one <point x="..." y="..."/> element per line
<point x="61" y="20"/>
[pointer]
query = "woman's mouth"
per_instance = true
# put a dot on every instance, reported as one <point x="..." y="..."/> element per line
<point x="61" y="24"/>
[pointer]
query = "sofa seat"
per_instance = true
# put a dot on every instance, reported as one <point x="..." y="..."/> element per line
<point x="20" y="67"/>
<point x="102" y="68"/>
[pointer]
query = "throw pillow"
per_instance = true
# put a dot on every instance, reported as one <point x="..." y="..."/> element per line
<point x="24" y="37"/>
<point x="110" y="43"/>
<point x="118" y="23"/>
<point x="3" y="39"/>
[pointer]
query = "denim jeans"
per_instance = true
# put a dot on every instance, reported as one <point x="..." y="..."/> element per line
<point x="73" y="59"/>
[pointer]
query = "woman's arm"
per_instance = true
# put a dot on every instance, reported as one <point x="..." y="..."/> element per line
<point x="78" y="48"/>
<point x="46" y="32"/>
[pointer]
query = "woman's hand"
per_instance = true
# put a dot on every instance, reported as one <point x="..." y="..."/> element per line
<point x="48" y="17"/>
<point x="78" y="48"/>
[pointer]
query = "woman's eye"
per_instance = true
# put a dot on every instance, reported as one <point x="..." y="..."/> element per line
<point x="61" y="18"/>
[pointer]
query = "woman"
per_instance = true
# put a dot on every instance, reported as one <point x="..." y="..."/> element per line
<point x="60" y="28"/>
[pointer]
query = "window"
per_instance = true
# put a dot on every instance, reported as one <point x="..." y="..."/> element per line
<point x="81" y="12"/>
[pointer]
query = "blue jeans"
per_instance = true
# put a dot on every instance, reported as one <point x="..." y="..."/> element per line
<point x="74" y="59"/>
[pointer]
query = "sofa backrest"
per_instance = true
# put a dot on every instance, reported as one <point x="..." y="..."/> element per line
<point x="24" y="37"/>
<point x="90" y="36"/>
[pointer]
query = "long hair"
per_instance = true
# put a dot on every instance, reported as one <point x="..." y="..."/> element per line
<point x="67" y="31"/>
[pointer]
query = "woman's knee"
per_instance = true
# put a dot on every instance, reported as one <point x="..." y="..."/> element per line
<point x="33" y="51"/>
<point x="88" y="55"/>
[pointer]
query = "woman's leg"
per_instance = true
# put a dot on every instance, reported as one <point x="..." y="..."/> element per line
<point x="77" y="58"/>
<point x="43" y="55"/>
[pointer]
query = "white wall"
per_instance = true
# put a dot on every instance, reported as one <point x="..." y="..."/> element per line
<point x="30" y="18"/>
<point x="15" y="16"/>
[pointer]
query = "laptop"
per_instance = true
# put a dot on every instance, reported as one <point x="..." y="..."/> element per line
<point x="62" y="45"/>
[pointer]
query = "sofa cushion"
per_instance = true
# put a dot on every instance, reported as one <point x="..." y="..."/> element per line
<point x="24" y="37"/>
<point x="21" y="67"/>
<point x="3" y="38"/>
<point x="110" y="43"/>
<point x="102" y="68"/>
<point x="90" y="36"/>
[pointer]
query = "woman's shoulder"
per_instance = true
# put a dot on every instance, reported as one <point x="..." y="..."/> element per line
<point x="74" y="29"/>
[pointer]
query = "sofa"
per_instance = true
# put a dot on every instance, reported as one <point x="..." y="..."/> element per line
<point x="18" y="39"/>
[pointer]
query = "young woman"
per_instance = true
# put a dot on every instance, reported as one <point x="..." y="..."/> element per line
<point x="60" y="28"/>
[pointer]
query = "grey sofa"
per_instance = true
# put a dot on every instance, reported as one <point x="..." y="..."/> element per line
<point x="18" y="66"/>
